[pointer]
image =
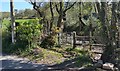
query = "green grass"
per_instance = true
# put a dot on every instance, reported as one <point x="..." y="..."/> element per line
<point x="6" y="23"/>
<point x="55" y="55"/>
<point x="43" y="56"/>
<point x="23" y="20"/>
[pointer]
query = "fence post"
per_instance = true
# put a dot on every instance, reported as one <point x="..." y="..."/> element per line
<point x="90" y="36"/>
<point x="66" y="37"/>
<point x="74" y="41"/>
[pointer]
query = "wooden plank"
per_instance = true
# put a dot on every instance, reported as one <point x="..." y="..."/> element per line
<point x="74" y="41"/>
<point x="102" y="45"/>
<point x="97" y="52"/>
<point x="82" y="36"/>
<point x="78" y="44"/>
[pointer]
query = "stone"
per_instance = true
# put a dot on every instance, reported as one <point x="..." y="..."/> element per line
<point x="99" y="64"/>
<point x="116" y="69"/>
<point x="108" y="66"/>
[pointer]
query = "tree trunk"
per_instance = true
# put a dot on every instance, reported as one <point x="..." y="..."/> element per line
<point x="61" y="17"/>
<point x="102" y="16"/>
<point x="12" y="21"/>
<point x="118" y="17"/>
<point x="108" y="35"/>
<point x="113" y="30"/>
<point x="52" y="17"/>
<point x="59" y="23"/>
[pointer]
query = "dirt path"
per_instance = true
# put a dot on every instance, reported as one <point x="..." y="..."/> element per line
<point x="10" y="62"/>
<point x="15" y="63"/>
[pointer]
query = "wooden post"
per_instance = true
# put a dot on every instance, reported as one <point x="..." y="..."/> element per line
<point x="90" y="36"/>
<point x="66" y="37"/>
<point x="71" y="37"/>
<point x="74" y="41"/>
<point x="59" y="39"/>
<point x="12" y="21"/>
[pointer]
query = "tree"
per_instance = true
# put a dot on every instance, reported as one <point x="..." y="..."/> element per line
<point x="5" y="14"/>
<point x="52" y="16"/>
<point x="28" y="12"/>
<point x="20" y="14"/>
<point x="40" y="7"/>
<point x="108" y="19"/>
<point x="62" y="11"/>
<point x="61" y="16"/>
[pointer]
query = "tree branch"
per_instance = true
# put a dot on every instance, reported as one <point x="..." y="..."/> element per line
<point x="51" y="10"/>
<point x="56" y="8"/>
<point x="36" y="7"/>
<point x="52" y="17"/>
<point x="69" y="7"/>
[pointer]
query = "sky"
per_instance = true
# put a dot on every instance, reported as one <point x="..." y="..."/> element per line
<point x="22" y="4"/>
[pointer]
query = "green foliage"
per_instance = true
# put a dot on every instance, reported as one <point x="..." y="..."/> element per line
<point x="48" y="42"/>
<point x="33" y="54"/>
<point x="6" y="36"/>
<point x="24" y="20"/>
<point x="6" y="42"/>
<point x="5" y="25"/>
<point x="29" y="32"/>
<point x="83" y="57"/>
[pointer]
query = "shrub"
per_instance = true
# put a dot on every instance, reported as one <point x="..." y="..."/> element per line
<point x="29" y="32"/>
<point x="48" y="42"/>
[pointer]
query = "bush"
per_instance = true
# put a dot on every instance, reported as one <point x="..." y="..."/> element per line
<point x="27" y="34"/>
<point x="48" y="42"/>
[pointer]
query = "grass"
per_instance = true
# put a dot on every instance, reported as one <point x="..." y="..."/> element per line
<point x="43" y="56"/>
<point x="7" y="22"/>
<point x="23" y="20"/>
<point x="57" y="55"/>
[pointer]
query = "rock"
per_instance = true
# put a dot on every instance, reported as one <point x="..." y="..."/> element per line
<point x="108" y="66"/>
<point x="99" y="64"/>
<point x="116" y="69"/>
<point x="97" y="56"/>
